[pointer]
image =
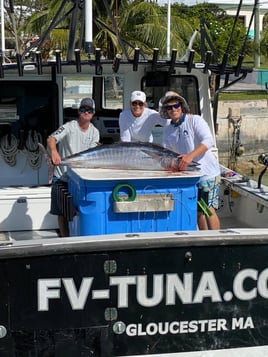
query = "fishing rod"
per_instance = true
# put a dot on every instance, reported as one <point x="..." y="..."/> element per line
<point x="243" y="49"/>
<point x="226" y="54"/>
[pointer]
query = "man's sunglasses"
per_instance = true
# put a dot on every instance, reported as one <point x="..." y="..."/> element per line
<point x="85" y="110"/>
<point x="140" y="104"/>
<point x="170" y="107"/>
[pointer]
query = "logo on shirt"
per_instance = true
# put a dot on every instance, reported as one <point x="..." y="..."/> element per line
<point x="59" y="131"/>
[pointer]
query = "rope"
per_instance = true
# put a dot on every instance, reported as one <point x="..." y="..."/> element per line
<point x="34" y="156"/>
<point x="9" y="148"/>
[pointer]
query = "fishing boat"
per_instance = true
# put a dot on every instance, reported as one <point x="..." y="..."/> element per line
<point x="135" y="277"/>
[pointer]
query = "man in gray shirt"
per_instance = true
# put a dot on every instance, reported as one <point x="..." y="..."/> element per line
<point x="71" y="138"/>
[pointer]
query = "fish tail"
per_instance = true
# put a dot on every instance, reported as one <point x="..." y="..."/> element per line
<point x="48" y="161"/>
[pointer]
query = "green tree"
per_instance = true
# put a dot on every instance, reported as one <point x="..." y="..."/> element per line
<point x="264" y="38"/>
<point x="15" y="20"/>
<point x="141" y="24"/>
<point x="218" y="26"/>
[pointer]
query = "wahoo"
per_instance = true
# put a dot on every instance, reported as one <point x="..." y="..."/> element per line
<point x="127" y="156"/>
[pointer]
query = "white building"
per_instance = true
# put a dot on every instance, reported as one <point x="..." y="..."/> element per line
<point x="230" y="6"/>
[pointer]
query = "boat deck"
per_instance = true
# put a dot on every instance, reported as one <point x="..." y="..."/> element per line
<point x="244" y="206"/>
<point x="227" y="223"/>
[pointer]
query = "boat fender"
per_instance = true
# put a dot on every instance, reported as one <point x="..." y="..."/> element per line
<point x="126" y="187"/>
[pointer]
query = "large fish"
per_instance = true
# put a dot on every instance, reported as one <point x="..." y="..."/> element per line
<point x="127" y="156"/>
<point x="123" y="156"/>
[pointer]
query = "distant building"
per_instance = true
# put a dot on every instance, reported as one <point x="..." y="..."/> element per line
<point x="230" y="6"/>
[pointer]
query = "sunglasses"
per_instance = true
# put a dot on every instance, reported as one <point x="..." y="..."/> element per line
<point x="170" y="107"/>
<point x="140" y="104"/>
<point x="85" y="110"/>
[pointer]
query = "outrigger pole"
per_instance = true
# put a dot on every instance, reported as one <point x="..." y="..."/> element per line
<point x="243" y="49"/>
<point x="226" y="54"/>
<point x="89" y="48"/>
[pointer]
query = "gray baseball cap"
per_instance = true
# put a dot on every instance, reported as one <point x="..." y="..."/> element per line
<point x="87" y="102"/>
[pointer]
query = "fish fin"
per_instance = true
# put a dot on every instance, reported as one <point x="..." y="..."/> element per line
<point x="150" y="153"/>
<point x="48" y="161"/>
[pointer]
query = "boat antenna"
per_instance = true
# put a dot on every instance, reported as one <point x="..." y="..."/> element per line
<point x="226" y="54"/>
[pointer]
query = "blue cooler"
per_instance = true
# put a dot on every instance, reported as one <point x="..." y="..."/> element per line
<point x="116" y="201"/>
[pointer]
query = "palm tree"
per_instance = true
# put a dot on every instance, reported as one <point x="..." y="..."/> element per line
<point x="118" y="27"/>
<point x="55" y="36"/>
<point x="142" y="24"/>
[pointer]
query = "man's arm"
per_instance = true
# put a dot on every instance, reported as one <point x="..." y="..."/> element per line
<point x="52" y="145"/>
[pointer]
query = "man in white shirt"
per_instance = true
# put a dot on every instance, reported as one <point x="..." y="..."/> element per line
<point x="137" y="122"/>
<point x="189" y="135"/>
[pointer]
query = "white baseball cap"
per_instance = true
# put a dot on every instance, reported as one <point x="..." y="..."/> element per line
<point x="138" y="95"/>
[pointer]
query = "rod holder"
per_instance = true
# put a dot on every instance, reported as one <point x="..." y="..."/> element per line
<point x="116" y="63"/>
<point x="1" y="67"/>
<point x="77" y="54"/>
<point x="38" y="62"/>
<point x="155" y="58"/>
<point x="19" y="64"/>
<point x="224" y="63"/>
<point x="172" y="60"/>
<point x="136" y="59"/>
<point x="190" y="61"/>
<point x="98" y="67"/>
<point x="58" y="60"/>
<point x="207" y="61"/>
<point x="239" y="65"/>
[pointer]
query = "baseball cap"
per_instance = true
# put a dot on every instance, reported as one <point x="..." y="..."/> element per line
<point x="87" y="102"/>
<point x="138" y="95"/>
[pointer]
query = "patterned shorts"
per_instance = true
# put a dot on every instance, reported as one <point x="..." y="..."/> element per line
<point x="209" y="191"/>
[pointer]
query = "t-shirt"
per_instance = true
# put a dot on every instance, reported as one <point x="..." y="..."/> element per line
<point x="71" y="139"/>
<point x="184" y="138"/>
<point x="139" y="128"/>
